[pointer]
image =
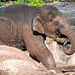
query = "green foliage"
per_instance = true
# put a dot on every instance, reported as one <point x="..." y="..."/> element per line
<point x="73" y="1"/>
<point x="11" y="3"/>
<point x="0" y="3"/>
<point x="29" y="2"/>
<point x="21" y="1"/>
<point x="3" y="0"/>
<point x="36" y="2"/>
<point x="18" y="1"/>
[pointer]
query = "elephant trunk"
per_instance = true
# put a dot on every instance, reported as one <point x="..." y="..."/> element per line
<point x="67" y="31"/>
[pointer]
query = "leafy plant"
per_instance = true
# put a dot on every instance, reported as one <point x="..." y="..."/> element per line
<point x="29" y="2"/>
<point x="18" y="1"/>
<point x="36" y="3"/>
<point x="21" y="1"/>
<point x="11" y="3"/>
<point x="0" y="3"/>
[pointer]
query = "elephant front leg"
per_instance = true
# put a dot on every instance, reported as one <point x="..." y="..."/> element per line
<point x="36" y="47"/>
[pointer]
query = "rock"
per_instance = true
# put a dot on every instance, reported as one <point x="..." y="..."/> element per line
<point x="69" y="73"/>
<point x="71" y="21"/>
<point x="22" y="67"/>
<point x="7" y="52"/>
<point x="13" y="61"/>
<point x="66" y="67"/>
<point x="56" y="50"/>
<point x="48" y="40"/>
<point x="71" y="60"/>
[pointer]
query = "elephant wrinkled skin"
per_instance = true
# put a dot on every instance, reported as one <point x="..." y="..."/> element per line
<point x="22" y="25"/>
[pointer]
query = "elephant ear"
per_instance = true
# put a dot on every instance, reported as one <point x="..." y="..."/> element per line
<point x="37" y="26"/>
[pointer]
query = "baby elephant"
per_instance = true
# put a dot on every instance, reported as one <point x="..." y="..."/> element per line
<point x="22" y="25"/>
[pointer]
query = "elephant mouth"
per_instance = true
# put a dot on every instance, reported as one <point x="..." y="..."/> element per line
<point x="61" y="40"/>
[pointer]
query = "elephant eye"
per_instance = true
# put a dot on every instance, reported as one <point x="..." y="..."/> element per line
<point x="55" y="23"/>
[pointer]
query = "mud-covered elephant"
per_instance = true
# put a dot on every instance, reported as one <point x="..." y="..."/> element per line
<point x="28" y="26"/>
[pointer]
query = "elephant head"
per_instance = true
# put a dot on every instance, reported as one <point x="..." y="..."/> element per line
<point x="52" y="22"/>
